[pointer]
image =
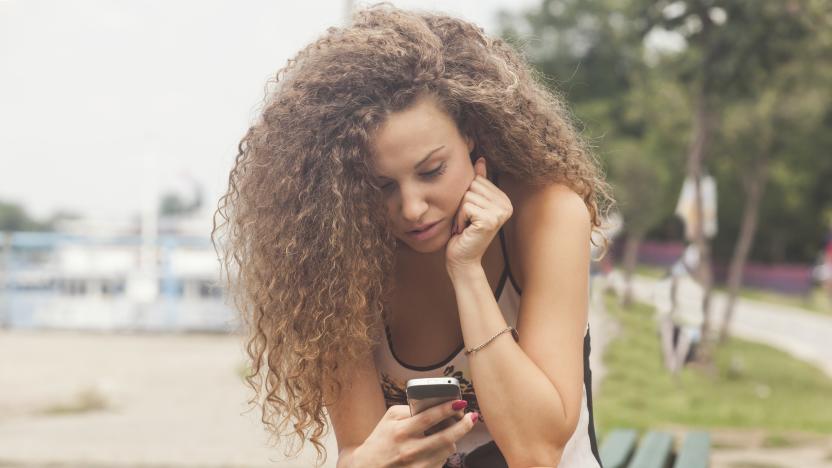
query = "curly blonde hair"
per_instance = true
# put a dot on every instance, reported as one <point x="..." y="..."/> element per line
<point x="302" y="227"/>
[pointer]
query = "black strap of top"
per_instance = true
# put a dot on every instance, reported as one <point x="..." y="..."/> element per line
<point x="503" y="246"/>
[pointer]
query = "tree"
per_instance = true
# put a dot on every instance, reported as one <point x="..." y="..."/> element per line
<point x="732" y="49"/>
<point x="14" y="217"/>
<point x="745" y="94"/>
<point x="789" y="98"/>
<point x="173" y="204"/>
<point x="591" y="51"/>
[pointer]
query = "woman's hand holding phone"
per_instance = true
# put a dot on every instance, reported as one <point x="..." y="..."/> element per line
<point x="399" y="439"/>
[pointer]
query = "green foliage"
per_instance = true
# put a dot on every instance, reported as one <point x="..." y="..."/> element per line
<point x="14" y="218"/>
<point x="591" y="52"/>
<point x="173" y="204"/>
<point x="749" y="385"/>
<point x="764" y="68"/>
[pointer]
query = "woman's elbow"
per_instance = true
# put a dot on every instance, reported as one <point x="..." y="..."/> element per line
<point x="548" y="455"/>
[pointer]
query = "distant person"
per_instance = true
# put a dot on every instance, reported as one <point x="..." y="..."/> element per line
<point x="679" y="301"/>
<point x="413" y="203"/>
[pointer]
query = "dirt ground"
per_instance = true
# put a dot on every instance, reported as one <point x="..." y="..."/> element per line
<point x="762" y="449"/>
<point x="102" y="400"/>
<point x="84" y="399"/>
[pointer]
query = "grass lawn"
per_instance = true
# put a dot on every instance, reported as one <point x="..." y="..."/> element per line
<point x="651" y="271"/>
<point x="748" y="385"/>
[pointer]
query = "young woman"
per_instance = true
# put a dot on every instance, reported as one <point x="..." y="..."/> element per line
<point x="411" y="200"/>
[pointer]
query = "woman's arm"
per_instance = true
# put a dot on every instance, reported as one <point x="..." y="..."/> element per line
<point x="346" y="458"/>
<point x="357" y="411"/>
<point x="530" y="392"/>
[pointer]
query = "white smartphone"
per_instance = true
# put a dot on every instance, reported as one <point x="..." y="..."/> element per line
<point x="426" y="393"/>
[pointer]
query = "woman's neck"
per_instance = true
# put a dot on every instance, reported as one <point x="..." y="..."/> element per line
<point x="410" y="261"/>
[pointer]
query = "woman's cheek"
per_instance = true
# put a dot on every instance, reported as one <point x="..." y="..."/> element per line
<point x="460" y="187"/>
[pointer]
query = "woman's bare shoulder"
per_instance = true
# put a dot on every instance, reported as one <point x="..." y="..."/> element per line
<point x="522" y="193"/>
<point x="537" y="207"/>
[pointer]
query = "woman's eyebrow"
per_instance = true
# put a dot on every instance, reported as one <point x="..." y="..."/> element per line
<point x="430" y="153"/>
<point x="427" y="157"/>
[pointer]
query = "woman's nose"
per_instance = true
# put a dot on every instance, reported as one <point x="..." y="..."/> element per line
<point x="413" y="207"/>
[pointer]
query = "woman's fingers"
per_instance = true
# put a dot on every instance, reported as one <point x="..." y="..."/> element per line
<point x="488" y="219"/>
<point x="475" y="199"/>
<point x="483" y="194"/>
<point x="446" y="439"/>
<point x="397" y="412"/>
<point x="459" y="220"/>
<point x="428" y="418"/>
<point x="487" y="188"/>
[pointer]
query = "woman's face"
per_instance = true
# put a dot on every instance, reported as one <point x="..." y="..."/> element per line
<point x="424" y="167"/>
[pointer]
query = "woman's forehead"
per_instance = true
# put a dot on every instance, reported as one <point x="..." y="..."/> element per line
<point x="407" y="136"/>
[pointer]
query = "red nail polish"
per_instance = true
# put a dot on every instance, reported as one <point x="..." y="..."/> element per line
<point x="475" y="417"/>
<point x="459" y="404"/>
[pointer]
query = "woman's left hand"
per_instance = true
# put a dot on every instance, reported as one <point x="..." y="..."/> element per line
<point x="487" y="208"/>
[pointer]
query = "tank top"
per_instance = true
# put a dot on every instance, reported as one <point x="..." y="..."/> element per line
<point x="581" y="450"/>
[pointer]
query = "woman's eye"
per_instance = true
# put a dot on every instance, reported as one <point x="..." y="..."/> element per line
<point x="436" y="171"/>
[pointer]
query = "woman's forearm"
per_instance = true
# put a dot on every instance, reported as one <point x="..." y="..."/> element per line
<point x="345" y="458"/>
<point x="348" y="458"/>
<point x="521" y="407"/>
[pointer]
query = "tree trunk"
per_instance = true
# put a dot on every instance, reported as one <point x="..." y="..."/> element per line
<point x="630" y="260"/>
<point x="696" y="154"/>
<point x="750" y="215"/>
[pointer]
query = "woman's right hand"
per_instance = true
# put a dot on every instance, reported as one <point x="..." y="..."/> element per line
<point x="399" y="440"/>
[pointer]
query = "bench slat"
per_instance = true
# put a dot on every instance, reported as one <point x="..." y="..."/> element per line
<point x="654" y="451"/>
<point x="695" y="452"/>
<point x="618" y="447"/>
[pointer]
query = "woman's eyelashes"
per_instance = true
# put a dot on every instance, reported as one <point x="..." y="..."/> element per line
<point x="436" y="172"/>
<point x="427" y="175"/>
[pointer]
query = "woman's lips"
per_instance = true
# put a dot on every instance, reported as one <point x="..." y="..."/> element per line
<point x="428" y="232"/>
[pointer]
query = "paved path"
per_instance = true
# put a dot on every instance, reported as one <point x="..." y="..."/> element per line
<point x="602" y="329"/>
<point x="805" y="335"/>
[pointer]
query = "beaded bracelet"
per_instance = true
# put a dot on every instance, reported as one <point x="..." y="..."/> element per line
<point x="513" y="333"/>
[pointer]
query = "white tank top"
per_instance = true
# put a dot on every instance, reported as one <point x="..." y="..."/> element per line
<point x="581" y="450"/>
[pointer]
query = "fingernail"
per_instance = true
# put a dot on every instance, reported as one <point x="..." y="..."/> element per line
<point x="475" y="417"/>
<point x="459" y="404"/>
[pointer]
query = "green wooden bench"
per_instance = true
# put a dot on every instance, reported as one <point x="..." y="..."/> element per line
<point x="656" y="450"/>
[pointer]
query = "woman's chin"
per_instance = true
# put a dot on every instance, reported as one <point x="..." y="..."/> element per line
<point x="435" y="244"/>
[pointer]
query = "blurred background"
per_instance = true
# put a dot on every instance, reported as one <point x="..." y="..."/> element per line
<point x="711" y="312"/>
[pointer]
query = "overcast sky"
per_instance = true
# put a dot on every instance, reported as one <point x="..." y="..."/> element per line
<point x="92" y="92"/>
